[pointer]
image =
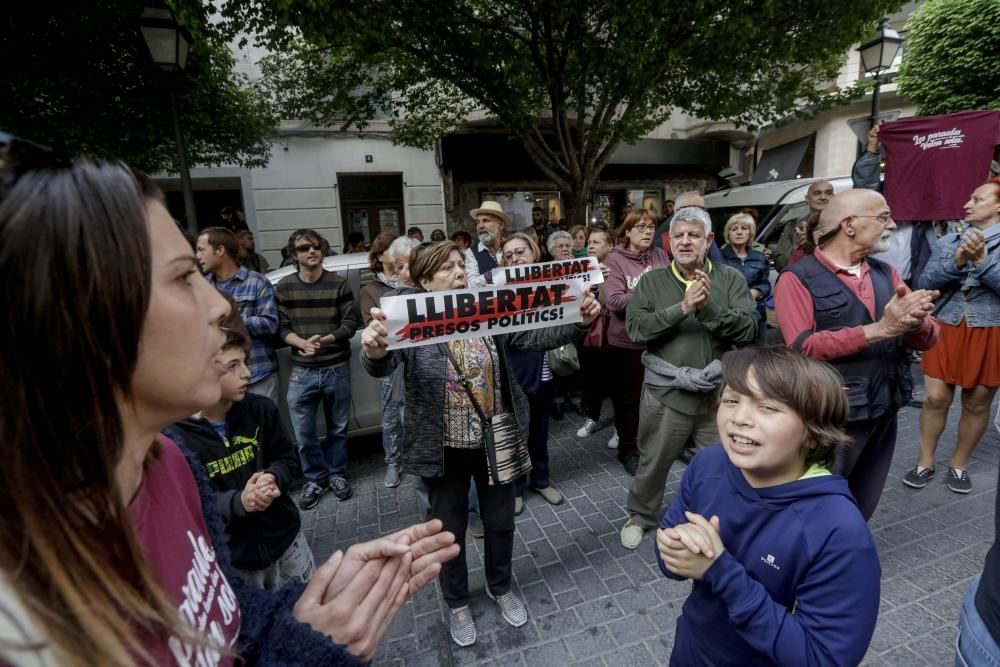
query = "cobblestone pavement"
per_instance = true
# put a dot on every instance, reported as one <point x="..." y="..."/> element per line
<point x="592" y="602"/>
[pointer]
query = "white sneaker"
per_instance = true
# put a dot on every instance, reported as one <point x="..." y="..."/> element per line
<point x="590" y="427"/>
<point x="631" y="534"/>
<point x="613" y="442"/>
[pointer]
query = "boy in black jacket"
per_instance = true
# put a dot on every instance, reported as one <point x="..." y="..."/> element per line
<point x="251" y="463"/>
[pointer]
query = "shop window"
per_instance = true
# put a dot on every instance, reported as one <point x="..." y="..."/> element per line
<point x="518" y="204"/>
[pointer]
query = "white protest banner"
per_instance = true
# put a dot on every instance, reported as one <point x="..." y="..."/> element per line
<point x="587" y="269"/>
<point x="425" y="318"/>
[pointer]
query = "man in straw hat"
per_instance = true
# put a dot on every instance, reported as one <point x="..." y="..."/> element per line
<point x="491" y="220"/>
<point x="854" y="311"/>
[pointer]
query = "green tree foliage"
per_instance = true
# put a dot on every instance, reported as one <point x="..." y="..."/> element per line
<point x="570" y="79"/>
<point x="950" y="63"/>
<point x="77" y="76"/>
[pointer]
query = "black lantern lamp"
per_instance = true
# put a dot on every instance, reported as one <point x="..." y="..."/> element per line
<point x="168" y="43"/>
<point x="167" y="40"/>
<point x="877" y="56"/>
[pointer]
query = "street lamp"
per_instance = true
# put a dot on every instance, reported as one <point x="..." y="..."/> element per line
<point x="168" y="43"/>
<point x="877" y="55"/>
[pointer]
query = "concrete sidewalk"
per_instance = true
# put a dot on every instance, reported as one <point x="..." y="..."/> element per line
<point x="592" y="602"/>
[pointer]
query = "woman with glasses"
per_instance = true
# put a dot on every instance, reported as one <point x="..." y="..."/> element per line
<point x="627" y="262"/>
<point x="112" y="548"/>
<point x="455" y="391"/>
<point x="738" y="253"/>
<point x="533" y="373"/>
<point x="965" y="267"/>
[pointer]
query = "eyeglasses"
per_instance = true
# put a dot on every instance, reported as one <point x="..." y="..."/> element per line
<point x="19" y="156"/>
<point x="645" y="228"/>
<point x="516" y="252"/>
<point x="306" y="247"/>
<point x="881" y="217"/>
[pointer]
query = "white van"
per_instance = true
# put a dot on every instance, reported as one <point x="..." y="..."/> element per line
<point x="777" y="203"/>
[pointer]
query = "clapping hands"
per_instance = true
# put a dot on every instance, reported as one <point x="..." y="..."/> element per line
<point x="260" y="491"/>
<point x="972" y="249"/>
<point x="906" y="311"/>
<point x="689" y="549"/>
<point x="354" y="596"/>
<point x="697" y="293"/>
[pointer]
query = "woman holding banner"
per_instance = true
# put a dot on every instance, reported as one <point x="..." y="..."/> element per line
<point x="469" y="417"/>
<point x="627" y="262"/>
<point x="535" y="377"/>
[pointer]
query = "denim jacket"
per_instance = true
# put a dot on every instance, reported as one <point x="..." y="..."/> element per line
<point x="969" y="292"/>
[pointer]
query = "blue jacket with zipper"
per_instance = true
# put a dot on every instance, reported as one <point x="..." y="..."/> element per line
<point x="798" y="582"/>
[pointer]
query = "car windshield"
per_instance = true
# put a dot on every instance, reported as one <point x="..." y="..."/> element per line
<point x="788" y="216"/>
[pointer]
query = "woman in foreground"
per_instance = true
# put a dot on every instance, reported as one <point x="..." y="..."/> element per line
<point x="110" y="544"/>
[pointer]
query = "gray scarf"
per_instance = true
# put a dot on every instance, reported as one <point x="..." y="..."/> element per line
<point x="391" y="281"/>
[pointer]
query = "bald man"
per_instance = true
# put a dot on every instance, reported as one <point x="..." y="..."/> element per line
<point x="691" y="198"/>
<point x="853" y="311"/>
<point x="818" y="196"/>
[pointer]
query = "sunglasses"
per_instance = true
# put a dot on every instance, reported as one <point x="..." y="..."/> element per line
<point x="20" y="156"/>
<point x="306" y="247"/>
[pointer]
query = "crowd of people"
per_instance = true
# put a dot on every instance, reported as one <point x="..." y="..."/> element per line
<point x="148" y="513"/>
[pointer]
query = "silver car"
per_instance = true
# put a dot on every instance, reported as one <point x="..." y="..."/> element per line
<point x="366" y="404"/>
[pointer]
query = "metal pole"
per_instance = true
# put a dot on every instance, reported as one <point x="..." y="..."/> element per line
<point x="190" y="220"/>
<point x="875" y="91"/>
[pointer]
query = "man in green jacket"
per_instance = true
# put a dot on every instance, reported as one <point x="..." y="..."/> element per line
<point x="688" y="315"/>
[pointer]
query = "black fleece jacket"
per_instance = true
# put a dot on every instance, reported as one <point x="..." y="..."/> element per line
<point x="255" y="440"/>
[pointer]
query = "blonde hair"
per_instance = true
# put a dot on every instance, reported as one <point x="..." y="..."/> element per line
<point x="744" y="219"/>
<point x="536" y="252"/>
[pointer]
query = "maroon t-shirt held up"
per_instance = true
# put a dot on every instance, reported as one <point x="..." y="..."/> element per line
<point x="168" y="519"/>
<point x="934" y="163"/>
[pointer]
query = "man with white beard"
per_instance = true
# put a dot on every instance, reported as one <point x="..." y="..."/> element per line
<point x="481" y="259"/>
<point x="845" y="307"/>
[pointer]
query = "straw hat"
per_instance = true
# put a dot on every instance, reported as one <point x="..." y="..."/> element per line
<point x="492" y="208"/>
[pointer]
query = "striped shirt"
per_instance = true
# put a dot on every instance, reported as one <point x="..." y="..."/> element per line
<point x="319" y="308"/>
<point x="259" y="308"/>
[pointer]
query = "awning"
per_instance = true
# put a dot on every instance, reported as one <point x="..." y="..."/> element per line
<point x="782" y="162"/>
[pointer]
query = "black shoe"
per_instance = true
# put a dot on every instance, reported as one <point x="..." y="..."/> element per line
<point x="686" y="455"/>
<point x="340" y="487"/>
<point x="475" y="526"/>
<point x="311" y="493"/>
<point x="558" y="410"/>
<point x="917" y="477"/>
<point x="631" y="465"/>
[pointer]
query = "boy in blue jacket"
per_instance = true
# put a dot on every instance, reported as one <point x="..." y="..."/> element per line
<point x="785" y="569"/>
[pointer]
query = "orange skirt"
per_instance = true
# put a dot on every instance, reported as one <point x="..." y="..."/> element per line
<point x="965" y="356"/>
